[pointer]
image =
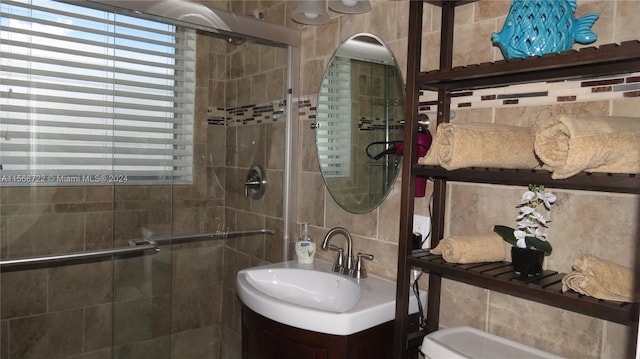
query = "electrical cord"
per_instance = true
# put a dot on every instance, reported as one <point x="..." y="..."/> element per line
<point x="416" y="287"/>
<point x="416" y="291"/>
<point x="424" y="238"/>
<point x="395" y="148"/>
<point x="430" y="199"/>
<point x="388" y="151"/>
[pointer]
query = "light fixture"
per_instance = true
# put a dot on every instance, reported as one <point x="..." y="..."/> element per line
<point x="350" y="6"/>
<point x="311" y="12"/>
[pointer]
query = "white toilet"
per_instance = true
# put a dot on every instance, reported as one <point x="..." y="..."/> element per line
<point x="471" y="343"/>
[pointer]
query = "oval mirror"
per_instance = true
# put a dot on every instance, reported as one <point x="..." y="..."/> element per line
<point x="359" y="123"/>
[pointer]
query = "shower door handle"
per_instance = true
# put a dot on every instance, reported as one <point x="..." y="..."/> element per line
<point x="133" y="248"/>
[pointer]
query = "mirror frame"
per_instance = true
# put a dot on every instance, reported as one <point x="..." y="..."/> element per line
<point x="342" y="188"/>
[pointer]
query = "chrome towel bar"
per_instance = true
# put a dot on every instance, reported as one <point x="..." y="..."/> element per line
<point x="134" y="247"/>
<point x="203" y="236"/>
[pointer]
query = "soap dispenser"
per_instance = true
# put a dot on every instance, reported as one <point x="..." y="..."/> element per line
<point x="305" y="246"/>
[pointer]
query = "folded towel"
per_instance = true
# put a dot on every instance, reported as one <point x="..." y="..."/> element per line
<point x="482" y="145"/>
<point x="601" y="279"/>
<point x="431" y="158"/>
<point x="569" y="145"/>
<point x="471" y="249"/>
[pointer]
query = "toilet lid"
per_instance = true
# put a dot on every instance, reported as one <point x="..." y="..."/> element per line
<point x="471" y="343"/>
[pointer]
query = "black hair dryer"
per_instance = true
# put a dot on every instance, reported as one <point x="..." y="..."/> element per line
<point x="397" y="148"/>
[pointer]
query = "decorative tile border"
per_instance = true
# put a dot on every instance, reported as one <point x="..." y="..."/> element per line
<point x="248" y="115"/>
<point x="544" y="93"/>
<point x="217" y="116"/>
<point x="307" y="108"/>
<point x="307" y="111"/>
<point x="536" y="94"/>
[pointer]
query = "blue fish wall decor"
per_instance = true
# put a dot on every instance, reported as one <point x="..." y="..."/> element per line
<point x="538" y="27"/>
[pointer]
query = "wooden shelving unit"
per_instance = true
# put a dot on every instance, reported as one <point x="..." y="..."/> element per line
<point x="602" y="182"/>
<point x="547" y="289"/>
<point x="590" y="61"/>
<point x="605" y="60"/>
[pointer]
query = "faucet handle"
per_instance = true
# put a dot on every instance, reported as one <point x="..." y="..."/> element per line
<point x="359" y="271"/>
<point x="338" y="265"/>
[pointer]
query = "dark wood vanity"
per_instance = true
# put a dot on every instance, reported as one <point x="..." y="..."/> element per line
<point x="263" y="338"/>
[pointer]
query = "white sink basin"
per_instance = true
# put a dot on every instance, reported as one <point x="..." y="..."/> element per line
<point x="310" y="296"/>
<point x="307" y="288"/>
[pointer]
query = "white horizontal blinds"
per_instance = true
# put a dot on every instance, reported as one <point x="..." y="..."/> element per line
<point x="334" y="117"/>
<point x="85" y="92"/>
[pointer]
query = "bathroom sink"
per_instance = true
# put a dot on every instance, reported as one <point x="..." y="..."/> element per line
<point x="314" y="289"/>
<point x="311" y="297"/>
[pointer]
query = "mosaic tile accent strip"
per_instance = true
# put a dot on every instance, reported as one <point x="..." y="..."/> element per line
<point x="256" y="114"/>
<point x="216" y="116"/>
<point x="377" y="124"/>
<point x="538" y="94"/>
<point x="307" y="111"/>
<point x="633" y="79"/>
<point x="307" y="108"/>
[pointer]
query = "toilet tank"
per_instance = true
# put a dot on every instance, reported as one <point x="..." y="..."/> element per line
<point x="471" y="343"/>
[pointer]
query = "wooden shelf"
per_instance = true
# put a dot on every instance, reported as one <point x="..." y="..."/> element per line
<point x="603" y="182"/>
<point x="612" y="59"/>
<point x="546" y="289"/>
<point x="449" y="2"/>
<point x="606" y="60"/>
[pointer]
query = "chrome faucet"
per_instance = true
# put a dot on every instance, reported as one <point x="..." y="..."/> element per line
<point x="343" y="264"/>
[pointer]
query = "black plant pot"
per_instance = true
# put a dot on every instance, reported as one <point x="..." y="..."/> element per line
<point x="527" y="262"/>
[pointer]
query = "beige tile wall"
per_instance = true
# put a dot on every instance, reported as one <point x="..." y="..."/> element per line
<point x="240" y="76"/>
<point x="608" y="223"/>
<point x="472" y="207"/>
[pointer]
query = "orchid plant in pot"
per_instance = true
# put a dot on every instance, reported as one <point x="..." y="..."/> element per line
<point x="529" y="240"/>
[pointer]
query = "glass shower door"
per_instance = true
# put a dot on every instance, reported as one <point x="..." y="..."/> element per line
<point x="177" y="303"/>
<point x="72" y="143"/>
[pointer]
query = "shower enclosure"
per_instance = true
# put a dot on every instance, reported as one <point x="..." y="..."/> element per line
<point x="105" y="266"/>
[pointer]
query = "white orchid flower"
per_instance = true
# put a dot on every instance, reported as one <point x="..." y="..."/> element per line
<point x="540" y="218"/>
<point x="520" y="238"/>
<point x="530" y="221"/>
<point x="547" y="198"/>
<point x="527" y="197"/>
<point x="540" y="235"/>
<point x="525" y="223"/>
<point x="525" y="212"/>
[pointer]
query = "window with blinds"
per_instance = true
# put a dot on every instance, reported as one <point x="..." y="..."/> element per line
<point x="333" y="116"/>
<point x="88" y="96"/>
